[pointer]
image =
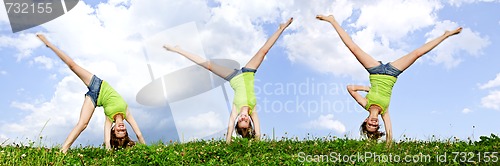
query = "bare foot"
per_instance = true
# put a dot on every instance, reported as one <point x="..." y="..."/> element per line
<point x="43" y="39"/>
<point x="171" y="48"/>
<point x="286" y="24"/>
<point x="328" y="18"/>
<point x="454" y="32"/>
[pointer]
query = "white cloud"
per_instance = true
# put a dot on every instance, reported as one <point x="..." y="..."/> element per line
<point x="436" y="112"/>
<point x="448" y="52"/>
<point x="326" y="122"/>
<point x="492" y="83"/>
<point x="458" y="3"/>
<point x="3" y="15"/>
<point x="3" y="72"/>
<point x="24" y="43"/>
<point x="393" y="19"/>
<point x="234" y="31"/>
<point x="46" y="62"/>
<point x="60" y="113"/>
<point x="201" y="125"/>
<point x="315" y="43"/>
<point x="467" y="110"/>
<point x="257" y="11"/>
<point x="492" y="101"/>
<point x="22" y="106"/>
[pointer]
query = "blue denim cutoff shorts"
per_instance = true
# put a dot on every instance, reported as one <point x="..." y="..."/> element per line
<point x="94" y="88"/>
<point x="385" y="69"/>
<point x="238" y="72"/>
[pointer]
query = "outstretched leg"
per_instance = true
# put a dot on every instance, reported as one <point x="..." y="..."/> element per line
<point x="83" y="74"/>
<point x="406" y="61"/>
<point x="219" y="70"/>
<point x="257" y="59"/>
<point x="366" y="60"/>
<point x="85" y="115"/>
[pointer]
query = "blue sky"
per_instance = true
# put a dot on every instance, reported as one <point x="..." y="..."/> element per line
<point x="453" y="91"/>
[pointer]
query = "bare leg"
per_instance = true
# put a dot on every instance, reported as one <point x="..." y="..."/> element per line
<point x="219" y="70"/>
<point x="83" y="74"/>
<point x="257" y="59"/>
<point x="366" y="60"/>
<point x="406" y="61"/>
<point x="85" y="115"/>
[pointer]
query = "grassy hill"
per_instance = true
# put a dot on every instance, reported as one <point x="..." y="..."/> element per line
<point x="288" y="151"/>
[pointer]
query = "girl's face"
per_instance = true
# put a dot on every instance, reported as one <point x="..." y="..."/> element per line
<point x="244" y="121"/>
<point x="371" y="124"/>
<point x="120" y="130"/>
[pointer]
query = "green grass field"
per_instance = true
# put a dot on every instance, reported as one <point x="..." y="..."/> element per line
<point x="288" y="151"/>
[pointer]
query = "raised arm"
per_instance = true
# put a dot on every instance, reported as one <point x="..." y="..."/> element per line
<point x="130" y="119"/>
<point x="256" y="124"/>
<point x="353" y="91"/>
<point x="230" y="126"/>
<point x="107" y="133"/>
<point x="366" y="60"/>
<point x="388" y="127"/>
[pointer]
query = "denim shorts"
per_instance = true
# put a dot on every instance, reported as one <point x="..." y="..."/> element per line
<point x="94" y="88"/>
<point x="238" y="72"/>
<point x="385" y="69"/>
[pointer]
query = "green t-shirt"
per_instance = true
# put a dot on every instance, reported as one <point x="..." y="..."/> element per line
<point x="380" y="91"/>
<point x="111" y="101"/>
<point x="244" y="93"/>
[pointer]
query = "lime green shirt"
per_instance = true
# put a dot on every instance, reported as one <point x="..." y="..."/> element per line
<point x="111" y="101"/>
<point x="380" y="91"/>
<point x="244" y="93"/>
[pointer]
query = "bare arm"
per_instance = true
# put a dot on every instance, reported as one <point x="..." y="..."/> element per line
<point x="388" y="127"/>
<point x="230" y="126"/>
<point x="130" y="119"/>
<point x="256" y="123"/>
<point x="107" y="133"/>
<point x="353" y="91"/>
